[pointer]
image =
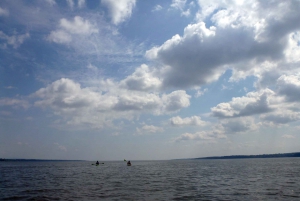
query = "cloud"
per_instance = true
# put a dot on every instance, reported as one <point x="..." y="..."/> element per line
<point x="60" y="36"/>
<point x="51" y="2"/>
<point x="176" y="100"/>
<point x="81" y="3"/>
<point x="15" y="41"/>
<point x="70" y="3"/>
<point x="188" y="121"/>
<point x="76" y="105"/>
<point x="12" y="102"/>
<point x="251" y="104"/>
<point x="79" y="106"/>
<point x="243" y="37"/>
<point x="219" y="130"/>
<point x="5" y="113"/>
<point x="288" y="136"/>
<point x="239" y="125"/>
<point x="149" y="129"/>
<point x="119" y="11"/>
<point x="292" y="51"/>
<point x="274" y="108"/>
<point x="78" y="26"/>
<point x="195" y="136"/>
<point x="289" y="86"/>
<point x="142" y="80"/>
<point x="23" y="143"/>
<point x="180" y="5"/>
<point x="167" y="103"/>
<point x="136" y="102"/>
<point x="4" y="12"/>
<point x="211" y="136"/>
<point x="157" y="8"/>
<point x="60" y="147"/>
<point x="200" y="92"/>
<point x="67" y="29"/>
<point x="92" y="67"/>
<point x="281" y="117"/>
<point x="265" y="78"/>
<point x="10" y="87"/>
<point x="67" y="95"/>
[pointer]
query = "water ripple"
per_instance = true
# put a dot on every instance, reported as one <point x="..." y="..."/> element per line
<point x="250" y="179"/>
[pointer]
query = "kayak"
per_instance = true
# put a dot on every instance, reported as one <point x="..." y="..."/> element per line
<point x="129" y="164"/>
<point x="97" y="164"/>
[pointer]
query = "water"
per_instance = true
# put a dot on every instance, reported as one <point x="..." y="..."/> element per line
<point x="239" y="179"/>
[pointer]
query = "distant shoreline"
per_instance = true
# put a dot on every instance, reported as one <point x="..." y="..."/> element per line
<point x="281" y="155"/>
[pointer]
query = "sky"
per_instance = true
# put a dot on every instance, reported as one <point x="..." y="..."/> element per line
<point x="148" y="80"/>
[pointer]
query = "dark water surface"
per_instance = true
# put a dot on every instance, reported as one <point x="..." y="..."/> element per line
<point x="236" y="179"/>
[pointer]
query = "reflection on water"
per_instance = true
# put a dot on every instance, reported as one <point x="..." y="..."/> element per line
<point x="236" y="179"/>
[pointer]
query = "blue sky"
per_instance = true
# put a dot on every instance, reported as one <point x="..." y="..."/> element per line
<point x="148" y="80"/>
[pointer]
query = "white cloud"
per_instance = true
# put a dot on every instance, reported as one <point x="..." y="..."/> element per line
<point x="186" y="13"/>
<point x="188" y="121"/>
<point x="136" y="102"/>
<point x="201" y="136"/>
<point x="5" y="113"/>
<point x="60" y="36"/>
<point x="4" y="12"/>
<point x="65" y="94"/>
<point x="207" y="8"/>
<point x="70" y="3"/>
<point x="16" y="103"/>
<point x="10" y="87"/>
<point x="281" y="117"/>
<point x="289" y="86"/>
<point x="79" y="106"/>
<point x="238" y="125"/>
<point x="78" y="26"/>
<point x="60" y="147"/>
<point x="119" y="10"/>
<point x="176" y="100"/>
<point x="15" y="41"/>
<point x="292" y="51"/>
<point x="152" y="103"/>
<point x="81" y="3"/>
<point x="195" y="136"/>
<point x="92" y="67"/>
<point x="180" y="5"/>
<point x="157" y="8"/>
<point x="245" y="36"/>
<point x="288" y="136"/>
<point x="149" y="129"/>
<point x="142" y="80"/>
<point x="51" y="2"/>
<point x="67" y="30"/>
<point x="275" y="108"/>
<point x="200" y="92"/>
<point x="251" y="104"/>
<point x="186" y="65"/>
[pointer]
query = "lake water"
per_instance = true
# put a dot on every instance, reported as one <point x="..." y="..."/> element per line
<point x="235" y="179"/>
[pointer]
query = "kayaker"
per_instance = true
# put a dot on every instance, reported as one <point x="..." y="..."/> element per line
<point x="128" y="163"/>
<point x="97" y="163"/>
